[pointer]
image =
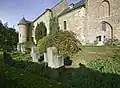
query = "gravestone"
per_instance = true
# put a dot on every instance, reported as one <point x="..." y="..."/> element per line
<point x="54" y="60"/>
<point x="23" y="48"/>
<point x="35" y="54"/>
<point x="45" y="57"/>
<point x="18" y="47"/>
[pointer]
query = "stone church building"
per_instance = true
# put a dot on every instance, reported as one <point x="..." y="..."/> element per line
<point x="90" y="20"/>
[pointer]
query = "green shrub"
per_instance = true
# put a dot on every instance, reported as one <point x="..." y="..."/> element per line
<point x="104" y="73"/>
<point x="1" y="56"/>
<point x="28" y="45"/>
<point x="111" y="42"/>
<point x="116" y="54"/>
<point x="11" y="77"/>
<point x="14" y="78"/>
<point x="65" y="42"/>
<point x="88" y="78"/>
<point x="105" y="66"/>
<point x="18" y="56"/>
<point x="42" y="45"/>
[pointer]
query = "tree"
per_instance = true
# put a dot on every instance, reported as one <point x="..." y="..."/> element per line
<point x="8" y="38"/>
<point x="54" y="26"/>
<point x="41" y="31"/>
<point x="6" y="25"/>
<point x="1" y="22"/>
<point x="65" y="42"/>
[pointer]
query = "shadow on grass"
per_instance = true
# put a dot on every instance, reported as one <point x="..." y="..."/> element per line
<point x="81" y="77"/>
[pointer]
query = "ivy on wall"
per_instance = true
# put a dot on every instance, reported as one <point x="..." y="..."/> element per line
<point x="41" y="31"/>
<point x="54" y="25"/>
<point x="64" y="41"/>
<point x="42" y="45"/>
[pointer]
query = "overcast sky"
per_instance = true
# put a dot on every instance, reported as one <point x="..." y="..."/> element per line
<point x="12" y="11"/>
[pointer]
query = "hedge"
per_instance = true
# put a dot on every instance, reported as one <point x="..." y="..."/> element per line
<point x="103" y="73"/>
<point x="11" y="77"/>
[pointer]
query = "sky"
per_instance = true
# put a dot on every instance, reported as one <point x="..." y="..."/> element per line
<point x="12" y="11"/>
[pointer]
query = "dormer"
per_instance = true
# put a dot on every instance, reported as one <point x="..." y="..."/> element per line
<point x="71" y="5"/>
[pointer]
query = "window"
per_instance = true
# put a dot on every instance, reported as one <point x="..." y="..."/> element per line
<point x="20" y="35"/>
<point x="65" y="25"/>
<point x="105" y="8"/>
<point x="104" y="37"/>
<point x="103" y="26"/>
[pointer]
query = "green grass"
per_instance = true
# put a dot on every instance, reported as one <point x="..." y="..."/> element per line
<point x="1" y="54"/>
<point x="92" y="53"/>
<point x="98" y="69"/>
<point x="11" y="77"/>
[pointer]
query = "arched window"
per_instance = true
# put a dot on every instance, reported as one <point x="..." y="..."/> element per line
<point x="103" y="26"/>
<point x="107" y="27"/>
<point x="101" y="11"/>
<point x="105" y="8"/>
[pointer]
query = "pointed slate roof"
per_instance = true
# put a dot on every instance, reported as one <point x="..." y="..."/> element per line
<point x="23" y="22"/>
<point x="76" y="5"/>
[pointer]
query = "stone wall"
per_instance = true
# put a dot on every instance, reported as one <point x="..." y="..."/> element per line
<point x="30" y="26"/>
<point x="85" y="22"/>
<point x="35" y="54"/>
<point x="102" y="10"/>
<point x="75" y="21"/>
<point x="45" y="17"/>
<point x="57" y="9"/>
<point x="23" y="29"/>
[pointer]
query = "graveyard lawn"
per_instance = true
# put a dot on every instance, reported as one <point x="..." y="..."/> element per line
<point x="93" y="67"/>
<point x="11" y="77"/>
<point x="92" y="53"/>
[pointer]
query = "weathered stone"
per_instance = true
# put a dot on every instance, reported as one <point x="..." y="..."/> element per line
<point x="22" y="48"/>
<point x="35" y="54"/>
<point x="45" y="57"/>
<point x="18" y="47"/>
<point x="86" y="21"/>
<point x="99" y="11"/>
<point x="54" y="60"/>
<point x="75" y="21"/>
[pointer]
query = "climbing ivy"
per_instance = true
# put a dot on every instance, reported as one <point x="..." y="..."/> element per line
<point x="42" y="45"/>
<point x="41" y="31"/>
<point x="54" y="26"/>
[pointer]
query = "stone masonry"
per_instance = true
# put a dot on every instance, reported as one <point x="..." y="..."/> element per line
<point x="90" y="20"/>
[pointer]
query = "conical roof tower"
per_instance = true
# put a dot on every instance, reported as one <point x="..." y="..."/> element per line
<point x="23" y="21"/>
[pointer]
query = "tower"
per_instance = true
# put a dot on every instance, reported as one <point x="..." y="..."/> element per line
<point x="23" y="29"/>
<point x="23" y="34"/>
